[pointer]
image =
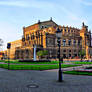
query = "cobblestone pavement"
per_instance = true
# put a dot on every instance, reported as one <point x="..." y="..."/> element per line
<point x="45" y="81"/>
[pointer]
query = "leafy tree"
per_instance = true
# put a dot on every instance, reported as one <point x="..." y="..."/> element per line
<point x="42" y="53"/>
<point x="82" y="53"/>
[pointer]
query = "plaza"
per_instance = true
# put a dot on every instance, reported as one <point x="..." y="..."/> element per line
<point x="42" y="81"/>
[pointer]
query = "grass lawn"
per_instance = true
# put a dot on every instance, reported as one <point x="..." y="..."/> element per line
<point x="52" y="62"/>
<point x="78" y="72"/>
<point x="34" y="67"/>
<point x="82" y="62"/>
<point x="16" y="62"/>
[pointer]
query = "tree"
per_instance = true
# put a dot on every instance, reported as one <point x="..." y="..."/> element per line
<point x="42" y="53"/>
<point x="82" y="53"/>
<point x="1" y="44"/>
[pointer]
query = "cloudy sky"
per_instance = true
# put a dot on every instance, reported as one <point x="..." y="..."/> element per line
<point x="14" y="14"/>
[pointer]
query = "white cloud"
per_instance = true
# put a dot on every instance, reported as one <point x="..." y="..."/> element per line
<point x="85" y="2"/>
<point x="26" y="4"/>
<point x="70" y="14"/>
<point x="13" y="3"/>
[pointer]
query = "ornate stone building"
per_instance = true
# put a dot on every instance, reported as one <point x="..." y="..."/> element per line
<point x="43" y="35"/>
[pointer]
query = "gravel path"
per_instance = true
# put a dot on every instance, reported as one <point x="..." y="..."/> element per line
<point x="44" y="81"/>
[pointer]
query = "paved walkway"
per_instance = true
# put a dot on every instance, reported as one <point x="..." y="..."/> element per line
<point x="45" y="81"/>
<point x="81" y="68"/>
<point x="2" y="69"/>
<point x="2" y="63"/>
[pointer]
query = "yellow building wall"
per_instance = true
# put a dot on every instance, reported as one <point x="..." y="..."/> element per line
<point x="83" y="40"/>
<point x="33" y="29"/>
<point x="83" y="33"/>
<point x="1" y="54"/>
<point x="87" y="52"/>
<point x="14" y="44"/>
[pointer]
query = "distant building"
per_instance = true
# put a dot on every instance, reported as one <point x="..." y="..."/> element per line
<point x="1" y="55"/>
<point x="14" y="45"/>
<point x="43" y="35"/>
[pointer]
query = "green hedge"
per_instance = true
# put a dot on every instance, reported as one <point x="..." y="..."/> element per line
<point x="34" y="67"/>
<point x="78" y="72"/>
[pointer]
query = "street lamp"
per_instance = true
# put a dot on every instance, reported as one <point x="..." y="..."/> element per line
<point x="8" y="47"/>
<point x="58" y="35"/>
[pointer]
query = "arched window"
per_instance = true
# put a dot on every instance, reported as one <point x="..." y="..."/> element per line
<point x="78" y="42"/>
<point x="69" y="55"/>
<point x="61" y="30"/>
<point x="68" y="30"/>
<point x="69" y="42"/>
<point x="65" y="30"/>
<point x="64" y="50"/>
<point x="74" y="42"/>
<point x="27" y="53"/>
<point x="64" y="42"/>
<point x="39" y="35"/>
<point x="27" y="36"/>
<point x="42" y="27"/>
<point x="33" y="36"/>
<point x="36" y="34"/>
<point x="45" y="26"/>
<point x="71" y="30"/>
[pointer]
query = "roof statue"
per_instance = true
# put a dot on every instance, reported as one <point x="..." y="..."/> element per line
<point x="50" y="18"/>
<point x="83" y="24"/>
<point x="38" y="21"/>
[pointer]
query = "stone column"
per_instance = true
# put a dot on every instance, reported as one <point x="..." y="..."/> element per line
<point x="34" y="52"/>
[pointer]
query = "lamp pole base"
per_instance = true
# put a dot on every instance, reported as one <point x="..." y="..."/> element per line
<point x="60" y="79"/>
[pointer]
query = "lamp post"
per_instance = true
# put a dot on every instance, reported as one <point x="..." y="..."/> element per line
<point x="8" y="47"/>
<point x="58" y="35"/>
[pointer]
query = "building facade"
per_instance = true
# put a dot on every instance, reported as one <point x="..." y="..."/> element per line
<point x="3" y="54"/>
<point x="43" y="35"/>
<point x="12" y="50"/>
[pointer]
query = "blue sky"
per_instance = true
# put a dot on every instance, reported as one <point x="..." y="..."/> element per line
<point x="14" y="14"/>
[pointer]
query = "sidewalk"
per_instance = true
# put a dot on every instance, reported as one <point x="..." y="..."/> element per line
<point x="82" y="67"/>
